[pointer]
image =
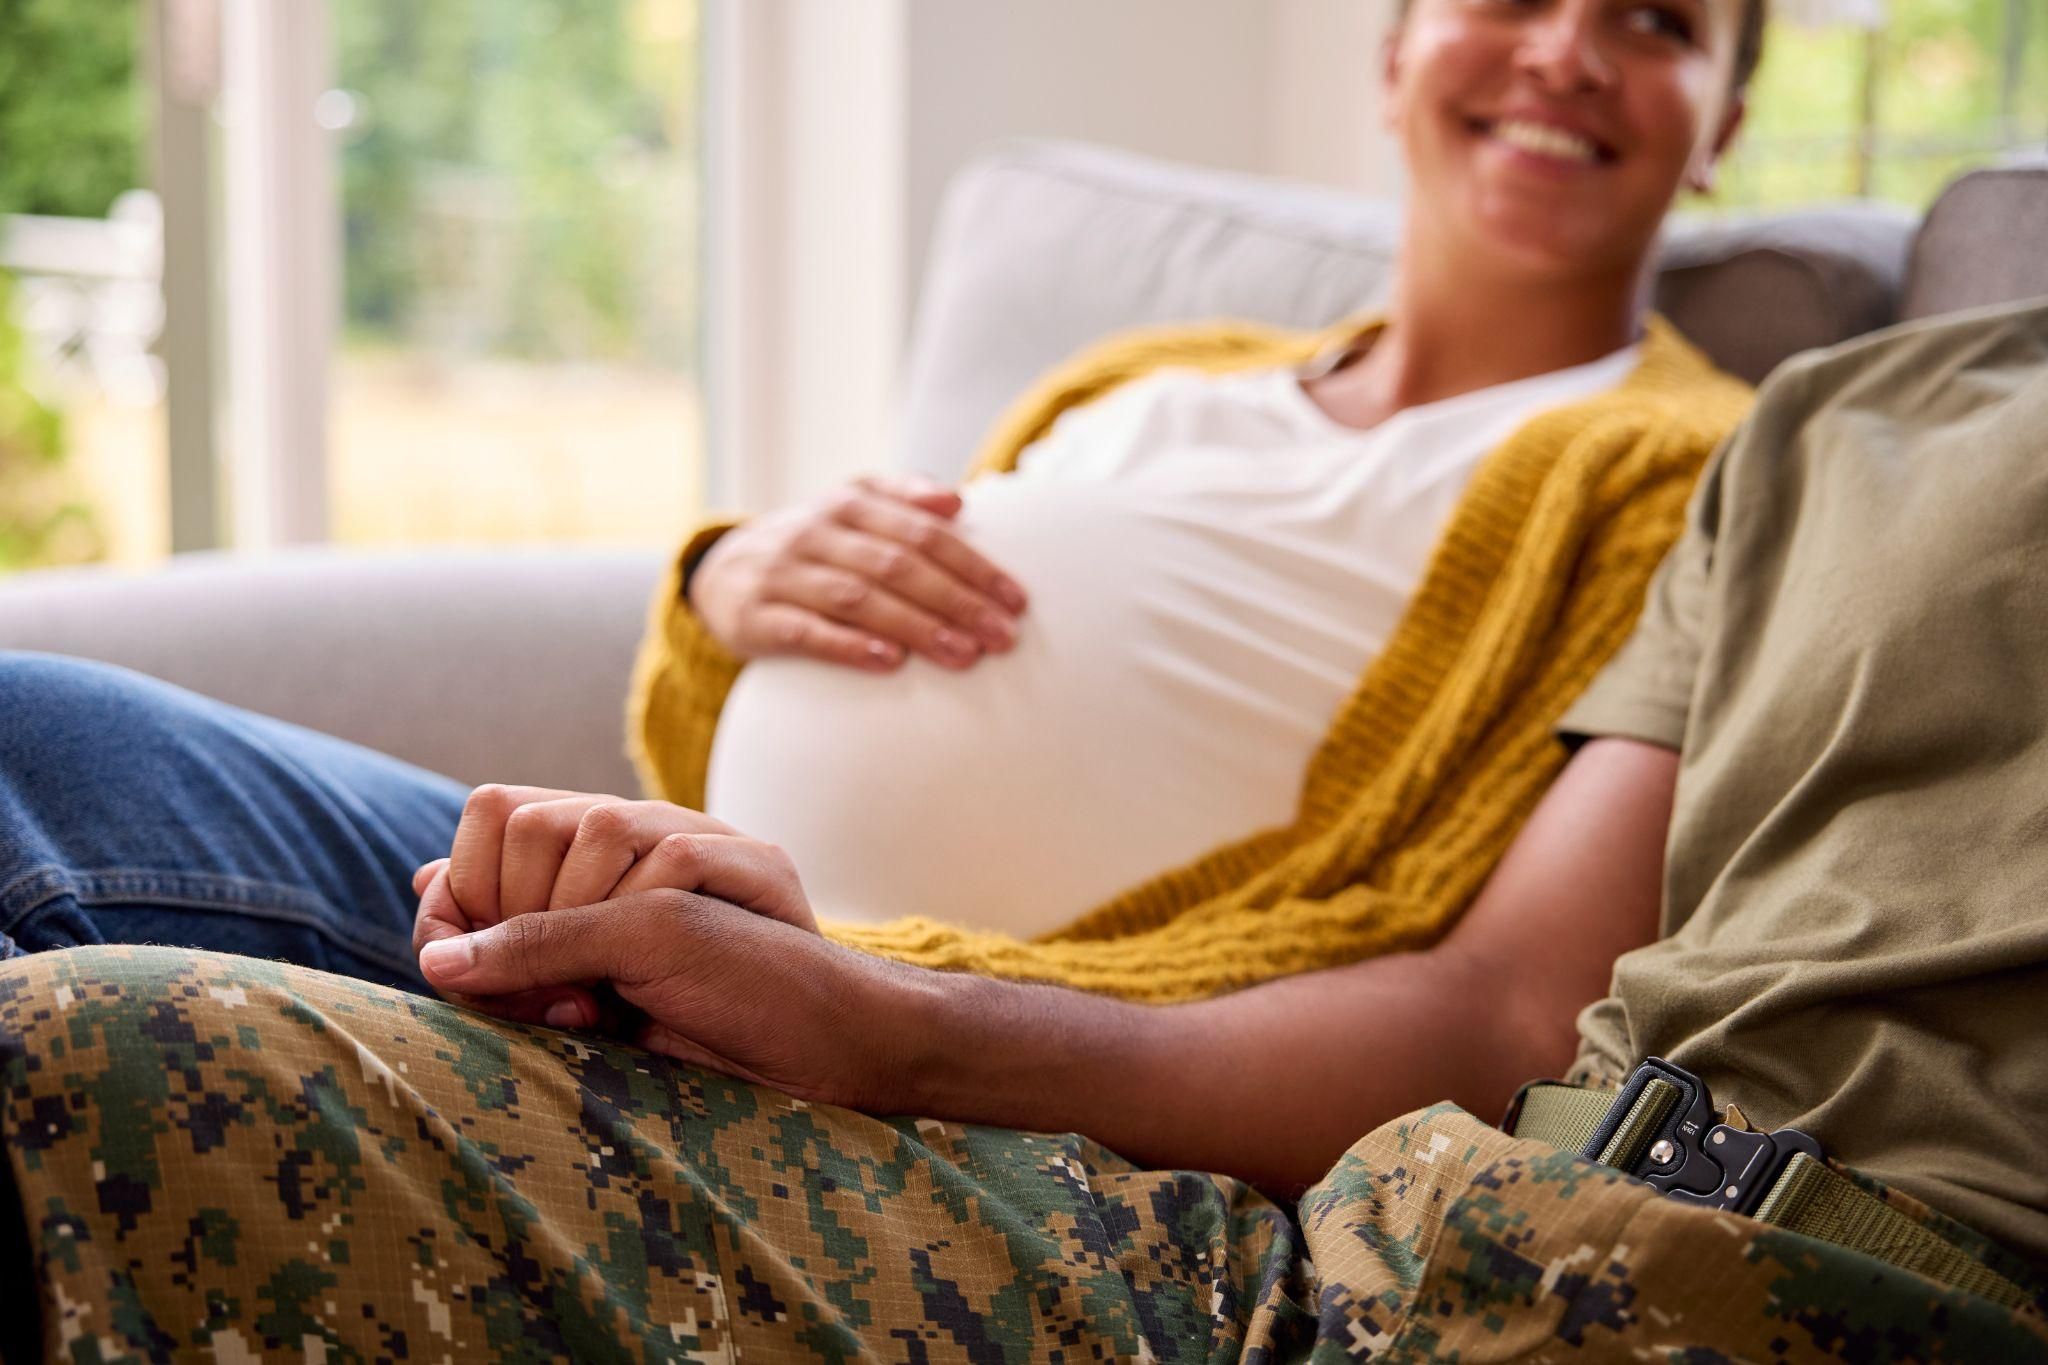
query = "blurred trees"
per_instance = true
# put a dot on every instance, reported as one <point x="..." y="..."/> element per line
<point x="71" y="141"/>
<point x="522" y="176"/>
<point x="1838" y="113"/>
<point x="43" y="518"/>
<point x="71" y="111"/>
<point x="515" y="167"/>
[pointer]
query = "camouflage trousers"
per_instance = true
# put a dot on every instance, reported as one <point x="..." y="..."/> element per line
<point x="217" y="1156"/>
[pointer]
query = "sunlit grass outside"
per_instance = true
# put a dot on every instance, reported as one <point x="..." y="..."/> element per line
<point x="485" y="451"/>
<point x="520" y="211"/>
<point x="480" y="453"/>
<point x="117" y="454"/>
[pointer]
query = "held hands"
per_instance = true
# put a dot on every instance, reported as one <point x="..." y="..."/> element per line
<point x="857" y="578"/>
<point x="522" y="850"/>
<point x="551" y="900"/>
<point x="519" y="850"/>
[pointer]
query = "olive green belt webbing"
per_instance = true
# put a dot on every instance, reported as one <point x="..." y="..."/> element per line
<point x="1805" y="1196"/>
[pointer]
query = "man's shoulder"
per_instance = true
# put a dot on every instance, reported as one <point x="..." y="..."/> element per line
<point x="1891" y="368"/>
<point x="1901" y="382"/>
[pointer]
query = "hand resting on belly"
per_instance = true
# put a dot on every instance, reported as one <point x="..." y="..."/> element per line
<point x="856" y="578"/>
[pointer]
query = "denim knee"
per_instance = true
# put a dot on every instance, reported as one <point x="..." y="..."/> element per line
<point x="132" y="810"/>
<point x="61" y="713"/>
<point x="82" y="745"/>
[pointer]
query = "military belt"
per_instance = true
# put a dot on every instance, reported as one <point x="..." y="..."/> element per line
<point x="1662" y="1128"/>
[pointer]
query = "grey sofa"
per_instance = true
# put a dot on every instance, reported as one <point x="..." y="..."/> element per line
<point x="512" y="665"/>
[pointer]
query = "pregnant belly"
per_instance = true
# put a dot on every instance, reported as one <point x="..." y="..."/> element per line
<point x="1134" y="727"/>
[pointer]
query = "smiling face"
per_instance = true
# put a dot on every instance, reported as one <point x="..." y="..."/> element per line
<point x="1551" y="136"/>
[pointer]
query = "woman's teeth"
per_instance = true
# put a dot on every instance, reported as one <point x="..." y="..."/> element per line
<point x="1544" y="140"/>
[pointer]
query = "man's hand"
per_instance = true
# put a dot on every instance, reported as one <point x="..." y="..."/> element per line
<point x="856" y="578"/>
<point x="519" y="850"/>
<point x="716" y="986"/>
<point x="525" y="850"/>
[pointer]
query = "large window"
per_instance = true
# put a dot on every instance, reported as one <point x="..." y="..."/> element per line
<point x="513" y="190"/>
<point x="519" y="201"/>
<point x="502" y="203"/>
<point x="1889" y="99"/>
<point x="82" y="456"/>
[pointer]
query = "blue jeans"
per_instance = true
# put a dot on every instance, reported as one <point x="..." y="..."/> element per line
<point x="132" y="811"/>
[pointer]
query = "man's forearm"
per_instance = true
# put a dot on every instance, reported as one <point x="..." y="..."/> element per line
<point x="1270" y="1084"/>
<point x="1274" y="1082"/>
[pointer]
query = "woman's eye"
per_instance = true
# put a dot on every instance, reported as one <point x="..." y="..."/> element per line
<point x="1662" y="21"/>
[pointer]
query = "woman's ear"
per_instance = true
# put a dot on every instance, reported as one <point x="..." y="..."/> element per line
<point x="1700" y="176"/>
<point x="1390" y="76"/>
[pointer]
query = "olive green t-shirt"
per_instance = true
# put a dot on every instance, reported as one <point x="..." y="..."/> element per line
<point x="1849" y="647"/>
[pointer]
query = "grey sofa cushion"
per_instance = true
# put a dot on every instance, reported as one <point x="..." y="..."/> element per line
<point x="1042" y="247"/>
<point x="1985" y="241"/>
<point x="498" y="666"/>
<point x="1754" y="291"/>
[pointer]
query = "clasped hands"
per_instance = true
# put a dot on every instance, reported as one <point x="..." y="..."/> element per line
<point x="657" y="924"/>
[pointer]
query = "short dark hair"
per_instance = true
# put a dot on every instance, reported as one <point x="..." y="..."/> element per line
<point x="1749" y="43"/>
<point x="1749" y="40"/>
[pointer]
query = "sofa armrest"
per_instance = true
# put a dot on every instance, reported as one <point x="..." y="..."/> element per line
<point x="504" y="666"/>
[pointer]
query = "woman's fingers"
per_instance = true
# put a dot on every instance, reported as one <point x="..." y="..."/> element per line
<point x="857" y="578"/>
<point x="858" y="603"/>
<point x="424" y="874"/>
<point x="911" y="517"/>
<point x="784" y="628"/>
<point x="747" y="872"/>
<point x="562" y="1007"/>
<point x="537" y="838"/>
<point x="653" y="1037"/>
<point x="898" y="558"/>
<point x="917" y="490"/>
<point x="610" y="839"/>
<point x="480" y="844"/>
<point x="520" y="851"/>
<point x="572" y="849"/>
<point x="438" y="916"/>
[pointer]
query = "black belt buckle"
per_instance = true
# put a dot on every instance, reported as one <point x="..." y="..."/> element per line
<point x="1693" y="1156"/>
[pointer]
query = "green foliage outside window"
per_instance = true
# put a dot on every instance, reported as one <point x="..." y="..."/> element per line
<point x="515" y="169"/>
<point x="554" y="126"/>
<point x="42" y="519"/>
<point x="70" y="107"/>
<point x="520" y="163"/>
<point x="1838" y="113"/>
<point x="71" y="141"/>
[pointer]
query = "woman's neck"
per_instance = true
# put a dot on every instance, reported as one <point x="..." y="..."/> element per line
<point x="1448" y="332"/>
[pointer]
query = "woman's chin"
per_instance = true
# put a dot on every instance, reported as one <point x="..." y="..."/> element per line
<point x="1535" y="246"/>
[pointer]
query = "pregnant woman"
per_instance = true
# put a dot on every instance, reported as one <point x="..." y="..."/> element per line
<point x="1300" y="609"/>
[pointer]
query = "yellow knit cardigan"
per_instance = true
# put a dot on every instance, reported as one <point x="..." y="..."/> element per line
<point x="1434" y="761"/>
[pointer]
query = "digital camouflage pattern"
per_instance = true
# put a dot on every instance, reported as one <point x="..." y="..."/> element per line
<point x="228" y="1158"/>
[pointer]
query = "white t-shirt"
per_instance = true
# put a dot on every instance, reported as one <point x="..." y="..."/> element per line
<point x="1212" y="563"/>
